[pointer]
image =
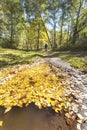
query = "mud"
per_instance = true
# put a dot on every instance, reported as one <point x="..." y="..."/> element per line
<point x="31" y="118"/>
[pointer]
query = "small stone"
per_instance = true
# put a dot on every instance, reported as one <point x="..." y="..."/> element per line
<point x="85" y="119"/>
<point x="75" y="109"/>
<point x="85" y="113"/>
<point x="71" y="112"/>
<point x="80" y="85"/>
<point x="72" y="86"/>
<point x="78" y="126"/>
<point x="68" y="115"/>
<point x="84" y="81"/>
<point x="85" y="96"/>
<point x="68" y="104"/>
<point x="80" y="100"/>
<point x="79" y="78"/>
<point x="84" y="126"/>
<point x="84" y="107"/>
<point x="78" y="91"/>
<point x="79" y="121"/>
<point x="80" y="116"/>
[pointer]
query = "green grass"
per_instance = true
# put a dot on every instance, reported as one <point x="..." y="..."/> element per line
<point x="10" y="57"/>
<point x="76" y="59"/>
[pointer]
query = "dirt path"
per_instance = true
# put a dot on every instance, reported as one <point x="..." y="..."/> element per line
<point x="76" y="91"/>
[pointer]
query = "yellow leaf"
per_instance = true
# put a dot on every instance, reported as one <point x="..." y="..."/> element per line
<point x="36" y="84"/>
<point x="1" y="102"/>
<point x="7" y="109"/>
<point x="56" y="110"/>
<point x="1" y="123"/>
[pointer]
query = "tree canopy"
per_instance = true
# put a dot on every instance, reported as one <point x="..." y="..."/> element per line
<point x="30" y="24"/>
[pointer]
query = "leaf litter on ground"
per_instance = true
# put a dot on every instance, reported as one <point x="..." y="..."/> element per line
<point x="38" y="84"/>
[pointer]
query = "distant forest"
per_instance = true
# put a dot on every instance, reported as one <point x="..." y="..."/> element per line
<point x="30" y="24"/>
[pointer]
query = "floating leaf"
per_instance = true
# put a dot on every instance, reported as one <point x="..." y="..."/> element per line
<point x="1" y="123"/>
<point x="7" y="109"/>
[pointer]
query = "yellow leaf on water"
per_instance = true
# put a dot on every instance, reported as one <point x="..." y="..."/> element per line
<point x="7" y="109"/>
<point x="57" y="110"/>
<point x="1" y="123"/>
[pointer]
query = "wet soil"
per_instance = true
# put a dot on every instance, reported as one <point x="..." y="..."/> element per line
<point x="32" y="118"/>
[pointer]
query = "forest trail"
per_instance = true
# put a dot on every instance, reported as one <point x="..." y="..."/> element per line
<point x="77" y="89"/>
<point x="74" y="81"/>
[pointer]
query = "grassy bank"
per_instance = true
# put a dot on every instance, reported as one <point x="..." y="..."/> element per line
<point x="77" y="59"/>
<point x="10" y="57"/>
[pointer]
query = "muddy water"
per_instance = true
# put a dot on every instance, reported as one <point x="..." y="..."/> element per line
<point x="31" y="118"/>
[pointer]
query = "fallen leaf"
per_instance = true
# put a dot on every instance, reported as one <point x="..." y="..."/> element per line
<point x="1" y="123"/>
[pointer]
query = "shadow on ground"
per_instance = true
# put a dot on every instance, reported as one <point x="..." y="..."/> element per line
<point x="12" y="59"/>
<point x="68" y="53"/>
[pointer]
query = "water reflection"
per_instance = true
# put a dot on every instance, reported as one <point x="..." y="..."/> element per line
<point x="31" y="118"/>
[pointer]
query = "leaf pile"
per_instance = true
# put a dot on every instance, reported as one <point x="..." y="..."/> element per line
<point x="38" y="84"/>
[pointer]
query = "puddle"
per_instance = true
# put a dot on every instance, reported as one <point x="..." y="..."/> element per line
<point x="32" y="118"/>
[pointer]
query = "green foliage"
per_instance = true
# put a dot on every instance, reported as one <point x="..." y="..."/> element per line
<point x="11" y="15"/>
<point x="76" y="62"/>
<point x="30" y="24"/>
